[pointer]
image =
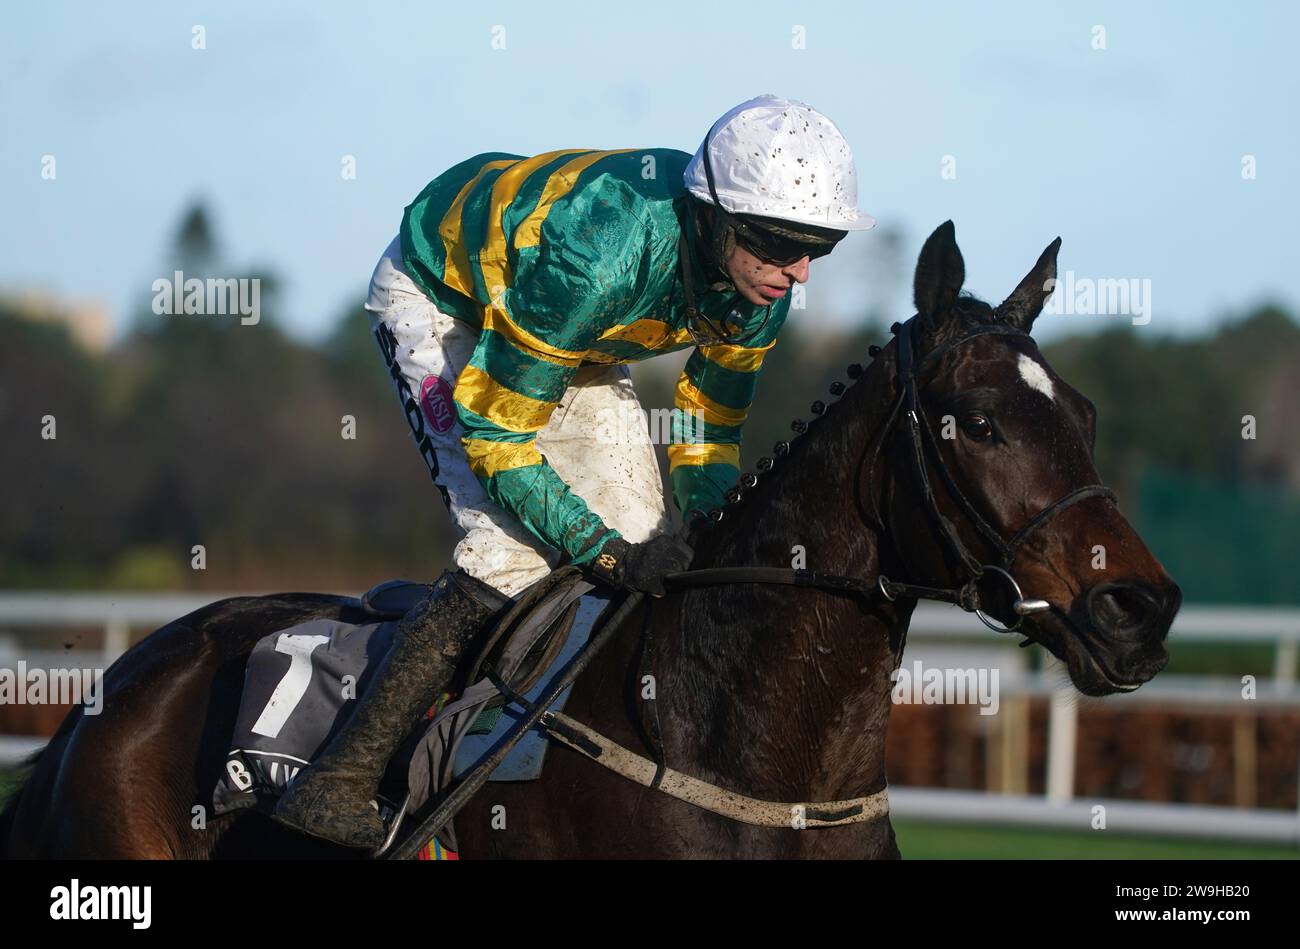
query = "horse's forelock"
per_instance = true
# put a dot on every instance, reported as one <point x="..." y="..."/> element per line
<point x="968" y="312"/>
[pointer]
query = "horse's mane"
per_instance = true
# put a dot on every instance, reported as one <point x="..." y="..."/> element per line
<point x="968" y="311"/>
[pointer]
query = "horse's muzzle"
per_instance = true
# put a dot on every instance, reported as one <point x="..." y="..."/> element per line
<point x="1133" y="613"/>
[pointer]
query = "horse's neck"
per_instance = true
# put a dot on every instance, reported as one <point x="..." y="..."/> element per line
<point x="783" y="692"/>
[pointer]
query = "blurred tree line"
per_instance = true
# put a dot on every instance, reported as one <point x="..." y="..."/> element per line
<point x="198" y="430"/>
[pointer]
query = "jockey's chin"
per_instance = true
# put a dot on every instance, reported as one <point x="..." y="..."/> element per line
<point x="762" y="283"/>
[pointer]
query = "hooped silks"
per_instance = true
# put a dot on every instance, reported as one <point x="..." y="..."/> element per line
<point x="571" y="258"/>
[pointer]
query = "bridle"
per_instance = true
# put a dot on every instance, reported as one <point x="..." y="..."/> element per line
<point x="921" y="442"/>
<point x="923" y="454"/>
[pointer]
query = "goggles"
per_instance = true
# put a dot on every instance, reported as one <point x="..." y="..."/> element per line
<point x="782" y="246"/>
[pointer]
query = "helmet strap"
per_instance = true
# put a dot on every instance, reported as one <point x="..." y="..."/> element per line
<point x="722" y="236"/>
<point x="717" y="239"/>
<point x="693" y="314"/>
<point x="720" y="242"/>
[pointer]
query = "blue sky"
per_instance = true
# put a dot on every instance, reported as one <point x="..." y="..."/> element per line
<point x="1132" y="154"/>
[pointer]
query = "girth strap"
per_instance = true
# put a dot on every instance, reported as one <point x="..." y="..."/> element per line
<point x="738" y="807"/>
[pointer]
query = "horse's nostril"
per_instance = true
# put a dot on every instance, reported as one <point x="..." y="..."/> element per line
<point x="1123" y="608"/>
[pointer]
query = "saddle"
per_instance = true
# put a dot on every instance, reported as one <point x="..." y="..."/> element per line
<point x="527" y="641"/>
<point x="526" y="633"/>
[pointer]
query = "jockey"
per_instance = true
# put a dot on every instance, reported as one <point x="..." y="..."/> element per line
<point x="507" y="310"/>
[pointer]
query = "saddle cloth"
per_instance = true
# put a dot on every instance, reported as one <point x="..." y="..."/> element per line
<point x="300" y="685"/>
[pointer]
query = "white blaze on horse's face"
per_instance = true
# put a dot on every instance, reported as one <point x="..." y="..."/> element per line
<point x="1036" y="376"/>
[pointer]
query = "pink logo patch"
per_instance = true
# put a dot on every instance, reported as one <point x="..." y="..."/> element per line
<point x="435" y="400"/>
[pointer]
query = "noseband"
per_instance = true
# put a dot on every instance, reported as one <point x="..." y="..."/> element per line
<point x="923" y="453"/>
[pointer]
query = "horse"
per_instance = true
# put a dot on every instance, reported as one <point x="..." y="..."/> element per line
<point x="776" y="691"/>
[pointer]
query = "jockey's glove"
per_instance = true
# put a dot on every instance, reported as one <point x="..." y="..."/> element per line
<point x="642" y="566"/>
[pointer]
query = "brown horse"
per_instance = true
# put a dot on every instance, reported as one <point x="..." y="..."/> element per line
<point x="775" y="692"/>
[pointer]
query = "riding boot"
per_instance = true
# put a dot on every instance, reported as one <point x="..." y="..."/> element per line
<point x="333" y="797"/>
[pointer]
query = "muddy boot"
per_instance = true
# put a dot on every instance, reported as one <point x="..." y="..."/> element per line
<point x="332" y="798"/>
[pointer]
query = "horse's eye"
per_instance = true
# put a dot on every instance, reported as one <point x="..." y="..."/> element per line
<point x="977" y="427"/>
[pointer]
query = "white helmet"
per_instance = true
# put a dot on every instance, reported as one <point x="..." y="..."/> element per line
<point x="778" y="158"/>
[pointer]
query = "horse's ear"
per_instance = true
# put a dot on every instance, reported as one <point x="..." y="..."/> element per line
<point x="940" y="272"/>
<point x="1026" y="301"/>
